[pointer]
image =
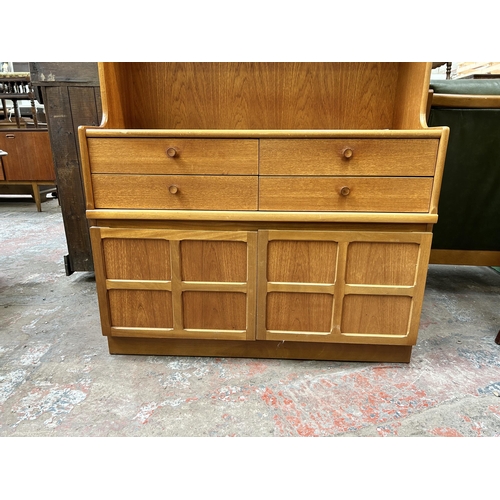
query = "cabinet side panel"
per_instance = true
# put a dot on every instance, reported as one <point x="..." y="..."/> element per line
<point x="411" y="96"/>
<point x="114" y="95"/>
<point x="100" y="279"/>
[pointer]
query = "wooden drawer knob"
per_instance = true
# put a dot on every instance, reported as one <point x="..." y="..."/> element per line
<point x="171" y="152"/>
<point x="347" y="152"/>
<point x="345" y="191"/>
<point x="173" y="189"/>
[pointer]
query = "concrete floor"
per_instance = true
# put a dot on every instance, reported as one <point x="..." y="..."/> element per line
<point x="57" y="378"/>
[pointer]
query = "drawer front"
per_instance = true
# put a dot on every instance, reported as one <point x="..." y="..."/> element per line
<point x="173" y="156"/>
<point x="350" y="194"/>
<point x="189" y="192"/>
<point x="378" y="157"/>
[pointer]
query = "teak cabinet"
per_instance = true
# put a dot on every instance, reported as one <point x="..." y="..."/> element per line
<point x="28" y="166"/>
<point x="272" y="210"/>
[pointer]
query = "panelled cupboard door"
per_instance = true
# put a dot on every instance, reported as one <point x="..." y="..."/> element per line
<point x="341" y="286"/>
<point x="159" y="283"/>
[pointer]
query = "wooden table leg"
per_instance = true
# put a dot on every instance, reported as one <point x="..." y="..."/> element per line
<point x="36" y="195"/>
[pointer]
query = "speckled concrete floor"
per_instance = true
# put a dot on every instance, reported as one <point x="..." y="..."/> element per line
<point x="57" y="378"/>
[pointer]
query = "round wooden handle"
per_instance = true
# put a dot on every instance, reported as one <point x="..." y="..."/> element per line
<point x="173" y="189"/>
<point x="347" y="152"/>
<point x="171" y="152"/>
<point x="345" y="191"/>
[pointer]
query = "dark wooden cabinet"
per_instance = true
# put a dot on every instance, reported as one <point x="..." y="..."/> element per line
<point x="71" y="96"/>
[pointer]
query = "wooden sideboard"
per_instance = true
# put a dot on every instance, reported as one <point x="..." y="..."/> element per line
<point x="27" y="166"/>
<point x="268" y="210"/>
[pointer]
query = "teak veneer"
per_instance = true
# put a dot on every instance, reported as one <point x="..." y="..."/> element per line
<point x="272" y="210"/>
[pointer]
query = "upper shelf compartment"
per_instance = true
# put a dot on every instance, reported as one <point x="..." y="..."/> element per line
<point x="265" y="96"/>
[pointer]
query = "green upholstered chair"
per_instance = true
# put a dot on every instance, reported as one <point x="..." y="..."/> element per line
<point x="468" y="228"/>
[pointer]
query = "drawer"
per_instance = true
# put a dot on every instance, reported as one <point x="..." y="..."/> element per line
<point x="351" y="194"/>
<point x="173" y="156"/>
<point x="378" y="157"/>
<point x="175" y="192"/>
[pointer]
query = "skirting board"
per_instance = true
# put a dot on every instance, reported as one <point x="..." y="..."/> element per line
<point x="261" y="349"/>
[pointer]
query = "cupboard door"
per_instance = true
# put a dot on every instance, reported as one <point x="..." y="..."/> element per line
<point x="332" y="286"/>
<point x="176" y="284"/>
<point x="30" y="155"/>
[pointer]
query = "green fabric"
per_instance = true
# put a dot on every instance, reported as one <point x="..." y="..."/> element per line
<point x="470" y="87"/>
<point x="469" y="206"/>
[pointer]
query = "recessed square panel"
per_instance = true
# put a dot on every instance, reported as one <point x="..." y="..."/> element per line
<point x="301" y="261"/>
<point x="224" y="261"/>
<point x="141" y="308"/>
<point x="376" y="314"/>
<point x="137" y="259"/>
<point x="299" y="312"/>
<point x="382" y="263"/>
<point x="214" y="310"/>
